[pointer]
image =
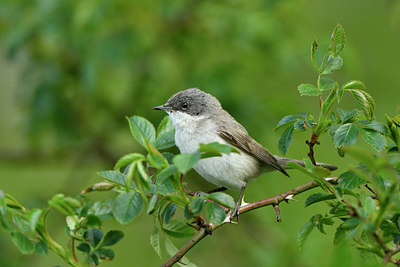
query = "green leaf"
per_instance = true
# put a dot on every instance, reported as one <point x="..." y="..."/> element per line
<point x="152" y="204"/>
<point x="105" y="254"/>
<point x="83" y="247"/>
<point x="178" y="229"/>
<point x="33" y="218"/>
<point x="354" y="85"/>
<point x="128" y="159"/>
<point x="338" y="40"/>
<point x="93" y="236"/>
<point x="326" y="83"/>
<point x="300" y="125"/>
<point x="307" y="89"/>
<point x="3" y="205"/>
<point x="339" y="235"/>
<point x="165" y="134"/>
<point x="216" y="149"/>
<point x="367" y="203"/>
<point x="375" y="139"/>
<point x="346" y="115"/>
<point x="93" y="259"/>
<point x="23" y="243"/>
<point x="223" y="199"/>
<point x="374" y="125"/>
<point x="304" y="233"/>
<point x="165" y="173"/>
<point x="115" y="177"/>
<point x="127" y="206"/>
<point x="215" y="213"/>
<point x="155" y="158"/>
<point x="365" y="100"/>
<point x="155" y="241"/>
<point x="345" y="135"/>
<point x="172" y="250"/>
<point x="286" y="139"/>
<point x="41" y="248"/>
<point x="112" y="237"/>
<point x="142" y="130"/>
<point x="168" y="212"/>
<point x="350" y="180"/>
<point x="314" y="47"/>
<point x="334" y="63"/>
<point x="185" y="162"/>
<point x="290" y="119"/>
<point x="196" y="205"/>
<point x="21" y="223"/>
<point x="317" y="198"/>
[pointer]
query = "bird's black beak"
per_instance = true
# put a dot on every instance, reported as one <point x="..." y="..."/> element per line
<point x="162" y="107"/>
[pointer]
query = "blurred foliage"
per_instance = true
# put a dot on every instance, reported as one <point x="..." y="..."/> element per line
<point x="82" y="66"/>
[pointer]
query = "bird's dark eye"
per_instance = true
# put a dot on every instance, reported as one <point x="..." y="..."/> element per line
<point x="185" y="105"/>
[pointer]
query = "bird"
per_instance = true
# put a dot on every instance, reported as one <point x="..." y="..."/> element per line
<point x="199" y="118"/>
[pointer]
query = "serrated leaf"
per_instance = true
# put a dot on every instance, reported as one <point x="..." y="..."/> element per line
<point x="304" y="233"/>
<point x="168" y="212"/>
<point x="128" y="159"/>
<point x="155" y="241"/>
<point x="396" y="120"/>
<point x="346" y="115"/>
<point x="127" y="206"/>
<point x="185" y="162"/>
<point x="367" y="203"/>
<point x="300" y="125"/>
<point x="375" y="139"/>
<point x="33" y="218"/>
<point x="215" y="213"/>
<point x="142" y="130"/>
<point x="155" y="158"/>
<point x="354" y="85"/>
<point x="115" y="177"/>
<point x="83" y="247"/>
<point x="365" y="100"/>
<point x="339" y="235"/>
<point x="338" y="40"/>
<point x="152" y="204"/>
<point x="112" y="237"/>
<point x="41" y="248"/>
<point x="314" y="47"/>
<point x="165" y="173"/>
<point x="326" y="83"/>
<point x="374" y="125"/>
<point x="307" y="89"/>
<point x="285" y="139"/>
<point x="334" y="63"/>
<point x="223" y="199"/>
<point x="178" y="229"/>
<point x="345" y="135"/>
<point x="23" y="243"/>
<point x="215" y="149"/>
<point x="290" y="119"/>
<point x="93" y="236"/>
<point x="318" y="197"/>
<point x="165" y="134"/>
<point x="196" y="205"/>
<point x="350" y="180"/>
<point x="105" y="254"/>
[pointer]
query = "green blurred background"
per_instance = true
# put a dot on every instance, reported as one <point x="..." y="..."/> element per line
<point x="70" y="71"/>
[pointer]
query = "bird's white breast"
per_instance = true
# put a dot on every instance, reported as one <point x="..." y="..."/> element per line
<point x="229" y="170"/>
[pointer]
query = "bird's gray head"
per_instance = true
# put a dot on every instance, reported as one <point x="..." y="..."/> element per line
<point x="193" y="102"/>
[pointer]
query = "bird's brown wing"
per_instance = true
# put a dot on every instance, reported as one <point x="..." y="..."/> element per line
<point x="241" y="139"/>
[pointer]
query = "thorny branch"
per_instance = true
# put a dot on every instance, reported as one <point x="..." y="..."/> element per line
<point x="311" y="144"/>
<point x="274" y="201"/>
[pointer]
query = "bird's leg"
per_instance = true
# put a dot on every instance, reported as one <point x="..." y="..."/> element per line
<point x="235" y="211"/>
<point x="219" y="189"/>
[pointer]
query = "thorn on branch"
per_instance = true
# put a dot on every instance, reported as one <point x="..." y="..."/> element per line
<point x="278" y="213"/>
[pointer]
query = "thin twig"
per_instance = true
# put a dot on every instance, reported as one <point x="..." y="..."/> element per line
<point x="243" y="209"/>
<point x="278" y="213"/>
<point x="313" y="141"/>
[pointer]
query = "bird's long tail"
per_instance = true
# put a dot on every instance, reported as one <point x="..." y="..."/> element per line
<point x="283" y="162"/>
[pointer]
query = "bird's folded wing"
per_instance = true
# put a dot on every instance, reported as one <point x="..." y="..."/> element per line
<point x="241" y="139"/>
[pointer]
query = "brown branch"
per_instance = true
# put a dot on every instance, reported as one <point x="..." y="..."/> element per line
<point x="243" y="209"/>
<point x="311" y="144"/>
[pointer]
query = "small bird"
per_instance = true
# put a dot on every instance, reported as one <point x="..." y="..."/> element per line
<point x="199" y="118"/>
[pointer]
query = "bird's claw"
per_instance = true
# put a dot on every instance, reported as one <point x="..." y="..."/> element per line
<point x="235" y="212"/>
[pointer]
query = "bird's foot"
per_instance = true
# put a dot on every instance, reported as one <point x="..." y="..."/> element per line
<point x="235" y="212"/>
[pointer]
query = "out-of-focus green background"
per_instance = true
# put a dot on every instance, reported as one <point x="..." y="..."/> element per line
<point x="70" y="71"/>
